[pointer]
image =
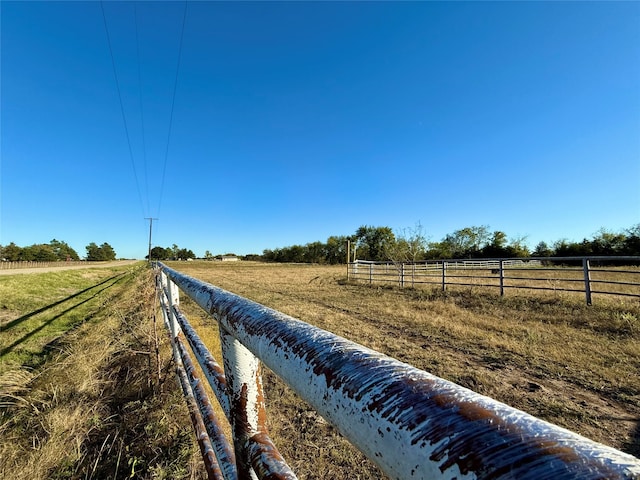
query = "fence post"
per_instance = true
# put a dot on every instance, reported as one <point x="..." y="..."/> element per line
<point x="246" y="399"/>
<point x="370" y="273"/>
<point x="501" y="266"/>
<point x="444" y="276"/>
<point x="587" y="279"/>
<point x="402" y="275"/>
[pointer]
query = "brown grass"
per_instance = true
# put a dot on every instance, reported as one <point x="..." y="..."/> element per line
<point x="549" y="355"/>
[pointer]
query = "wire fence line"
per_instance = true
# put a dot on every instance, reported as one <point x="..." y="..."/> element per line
<point x="612" y="275"/>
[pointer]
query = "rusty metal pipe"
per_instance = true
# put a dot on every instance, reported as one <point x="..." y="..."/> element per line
<point x="409" y="422"/>
<point x="223" y="451"/>
<point x="212" y="370"/>
<point x="204" y="442"/>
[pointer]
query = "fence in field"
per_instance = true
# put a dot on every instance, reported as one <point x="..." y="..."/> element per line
<point x="587" y="275"/>
<point x="26" y="264"/>
<point x="412" y="424"/>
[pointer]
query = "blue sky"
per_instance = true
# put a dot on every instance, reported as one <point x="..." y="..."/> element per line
<point x="296" y="121"/>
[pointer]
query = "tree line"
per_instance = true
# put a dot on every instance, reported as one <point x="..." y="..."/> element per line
<point x="55" y="251"/>
<point x="383" y="244"/>
<point x="171" y="253"/>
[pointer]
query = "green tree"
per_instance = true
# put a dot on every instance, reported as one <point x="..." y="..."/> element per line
<point x="467" y="242"/>
<point x="542" y="250"/>
<point x="12" y="252"/>
<point x="63" y="251"/>
<point x="632" y="240"/>
<point x="104" y="252"/>
<point x="160" y="253"/>
<point x="336" y="250"/>
<point x="373" y="243"/>
<point x="184" y="254"/>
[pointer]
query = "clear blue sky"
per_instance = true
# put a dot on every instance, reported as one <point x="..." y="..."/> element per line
<point x="296" y="121"/>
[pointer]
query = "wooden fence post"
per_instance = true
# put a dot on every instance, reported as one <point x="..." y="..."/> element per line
<point x="501" y="278"/>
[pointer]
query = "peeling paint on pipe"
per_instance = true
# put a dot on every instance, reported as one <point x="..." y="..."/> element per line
<point x="409" y="422"/>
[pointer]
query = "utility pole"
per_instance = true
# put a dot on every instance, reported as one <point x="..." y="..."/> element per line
<point x="150" y="229"/>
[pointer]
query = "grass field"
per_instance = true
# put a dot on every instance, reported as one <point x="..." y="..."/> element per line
<point x="81" y="396"/>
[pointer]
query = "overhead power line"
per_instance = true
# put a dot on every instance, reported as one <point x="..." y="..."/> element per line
<point x="173" y="101"/>
<point x="124" y="118"/>
<point x="144" y="146"/>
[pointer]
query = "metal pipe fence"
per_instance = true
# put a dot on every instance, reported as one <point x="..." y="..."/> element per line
<point x="586" y="275"/>
<point x="412" y="424"/>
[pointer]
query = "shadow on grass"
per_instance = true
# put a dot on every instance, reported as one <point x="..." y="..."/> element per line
<point x="9" y="348"/>
<point x="633" y="445"/>
<point x="18" y="321"/>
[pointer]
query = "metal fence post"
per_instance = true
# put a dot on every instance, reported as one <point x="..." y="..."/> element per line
<point x="246" y="398"/>
<point x="444" y="276"/>
<point x="587" y="280"/>
<point x="370" y="273"/>
<point x="501" y="266"/>
<point x="174" y="299"/>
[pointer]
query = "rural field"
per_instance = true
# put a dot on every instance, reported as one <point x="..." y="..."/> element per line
<point x="84" y="393"/>
<point x="546" y="353"/>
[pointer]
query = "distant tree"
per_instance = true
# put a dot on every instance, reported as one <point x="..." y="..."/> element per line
<point x="608" y="243"/>
<point x="467" y="242"/>
<point x="373" y="243"/>
<point x="314" y="252"/>
<point x="12" y="252"/>
<point x="632" y="240"/>
<point x="410" y="245"/>
<point x="336" y="250"/>
<point x="38" y="253"/>
<point x="63" y="251"/>
<point x="108" y="253"/>
<point x="517" y="248"/>
<point x="104" y="252"/>
<point x="184" y="254"/>
<point x="208" y="255"/>
<point x="542" y="250"/>
<point x="497" y="247"/>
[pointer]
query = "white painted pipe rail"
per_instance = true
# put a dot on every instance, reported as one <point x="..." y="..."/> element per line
<point x="412" y="424"/>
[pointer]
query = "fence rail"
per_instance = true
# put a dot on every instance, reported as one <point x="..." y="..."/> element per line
<point x="412" y="424"/>
<point x="587" y="275"/>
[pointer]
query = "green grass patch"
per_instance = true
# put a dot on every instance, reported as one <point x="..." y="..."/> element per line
<point x="36" y="309"/>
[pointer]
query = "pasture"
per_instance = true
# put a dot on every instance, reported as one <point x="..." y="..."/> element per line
<point x="545" y="353"/>
<point x="83" y="395"/>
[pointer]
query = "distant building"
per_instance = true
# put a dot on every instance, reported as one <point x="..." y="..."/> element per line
<point x="229" y="258"/>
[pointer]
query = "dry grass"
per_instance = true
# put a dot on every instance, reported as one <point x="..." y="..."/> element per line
<point x="549" y="355"/>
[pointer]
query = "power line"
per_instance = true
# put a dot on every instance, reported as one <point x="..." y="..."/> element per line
<point x="124" y="118"/>
<point x="173" y="101"/>
<point x="144" y="146"/>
